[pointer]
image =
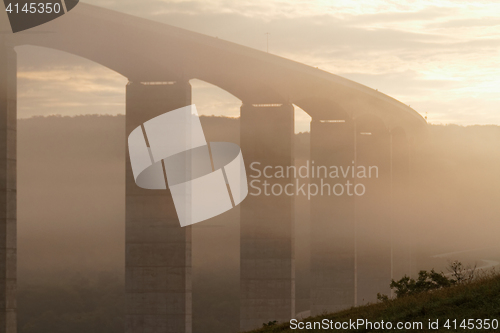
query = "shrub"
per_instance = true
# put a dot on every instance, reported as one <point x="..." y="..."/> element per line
<point x="269" y="324"/>
<point x="426" y="281"/>
<point x="432" y="280"/>
<point x="461" y="273"/>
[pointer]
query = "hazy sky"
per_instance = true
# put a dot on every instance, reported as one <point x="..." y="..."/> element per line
<point x="441" y="57"/>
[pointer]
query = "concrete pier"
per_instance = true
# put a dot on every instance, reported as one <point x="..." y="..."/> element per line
<point x="8" y="189"/>
<point x="158" y="250"/>
<point x="332" y="219"/>
<point x="373" y="211"/>
<point x="401" y="217"/>
<point x="267" y="226"/>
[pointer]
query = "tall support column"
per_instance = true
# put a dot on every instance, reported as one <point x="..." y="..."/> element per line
<point x="158" y="250"/>
<point x="8" y="192"/>
<point x="373" y="214"/>
<point x="414" y="212"/>
<point x="401" y="232"/>
<point x="267" y="227"/>
<point x="332" y="217"/>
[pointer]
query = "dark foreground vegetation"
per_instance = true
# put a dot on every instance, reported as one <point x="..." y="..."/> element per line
<point x="478" y="299"/>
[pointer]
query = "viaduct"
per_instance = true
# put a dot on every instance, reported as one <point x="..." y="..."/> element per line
<point x="350" y="122"/>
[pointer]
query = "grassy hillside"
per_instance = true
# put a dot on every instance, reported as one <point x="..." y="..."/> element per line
<point x="478" y="300"/>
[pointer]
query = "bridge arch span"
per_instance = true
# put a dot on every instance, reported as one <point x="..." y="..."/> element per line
<point x="142" y="50"/>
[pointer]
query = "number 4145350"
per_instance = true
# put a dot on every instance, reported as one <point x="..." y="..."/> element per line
<point x="472" y="324"/>
<point x="34" y="7"/>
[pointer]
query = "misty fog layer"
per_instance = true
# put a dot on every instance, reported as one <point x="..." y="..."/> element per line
<point x="71" y="195"/>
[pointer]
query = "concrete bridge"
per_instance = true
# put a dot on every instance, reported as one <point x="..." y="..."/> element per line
<point x="350" y="122"/>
